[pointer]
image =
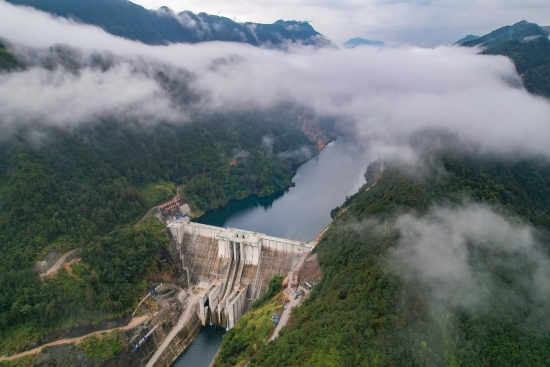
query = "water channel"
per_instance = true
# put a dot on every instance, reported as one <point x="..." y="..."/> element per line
<point x="300" y="213"/>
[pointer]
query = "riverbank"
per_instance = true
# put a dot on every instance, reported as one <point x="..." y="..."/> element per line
<point x="301" y="212"/>
<point x="198" y="214"/>
<point x="184" y="319"/>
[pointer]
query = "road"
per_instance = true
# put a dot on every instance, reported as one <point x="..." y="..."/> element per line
<point x="182" y="321"/>
<point x="286" y="314"/>
<point x="145" y="216"/>
<point x="58" y="263"/>
<point x="155" y="207"/>
<point x="135" y="321"/>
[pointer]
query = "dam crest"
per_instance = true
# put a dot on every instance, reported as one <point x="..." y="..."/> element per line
<point x="233" y="266"/>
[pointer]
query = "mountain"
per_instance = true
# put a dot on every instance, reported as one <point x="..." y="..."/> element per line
<point x="528" y="46"/>
<point x="468" y="38"/>
<point x="7" y="60"/>
<point x="358" y="41"/>
<point x="413" y="275"/>
<point x="85" y="187"/>
<point x="126" y="19"/>
<point x="521" y="31"/>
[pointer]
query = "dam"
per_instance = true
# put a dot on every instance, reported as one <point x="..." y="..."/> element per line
<point x="233" y="266"/>
<point x="302" y="212"/>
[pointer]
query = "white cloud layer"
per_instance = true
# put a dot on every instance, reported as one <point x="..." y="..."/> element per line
<point x="58" y="98"/>
<point x="389" y="93"/>
<point x="462" y="253"/>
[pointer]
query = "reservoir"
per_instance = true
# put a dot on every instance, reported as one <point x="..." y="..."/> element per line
<point x="299" y="213"/>
<point x="303" y="211"/>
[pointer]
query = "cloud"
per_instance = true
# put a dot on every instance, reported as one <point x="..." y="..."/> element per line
<point x="267" y="144"/>
<point x="59" y="98"/>
<point x="302" y="154"/>
<point x="186" y="20"/>
<point x="387" y="94"/>
<point x="469" y="256"/>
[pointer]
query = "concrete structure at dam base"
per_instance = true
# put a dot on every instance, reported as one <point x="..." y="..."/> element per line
<point x="233" y="266"/>
<point x="227" y="269"/>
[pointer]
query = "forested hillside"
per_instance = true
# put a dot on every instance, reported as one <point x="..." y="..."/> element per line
<point x="85" y="186"/>
<point x="431" y="267"/>
<point x="7" y="60"/>
<point x="515" y="32"/>
<point x="528" y="46"/>
<point x="532" y="61"/>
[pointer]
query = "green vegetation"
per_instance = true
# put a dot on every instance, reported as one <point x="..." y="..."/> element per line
<point x="86" y="188"/>
<point x="528" y="46"/>
<point x="532" y="60"/>
<point x="252" y="330"/>
<point x="103" y="347"/>
<point x="516" y="32"/>
<point x="132" y="21"/>
<point x="364" y="313"/>
<point x="274" y="287"/>
<point x="109" y="285"/>
<point x="158" y="192"/>
<point x="25" y="361"/>
<point x="7" y="60"/>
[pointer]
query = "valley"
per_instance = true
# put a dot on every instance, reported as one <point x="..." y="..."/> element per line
<point x="180" y="188"/>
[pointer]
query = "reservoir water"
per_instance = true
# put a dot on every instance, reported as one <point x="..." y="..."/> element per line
<point x="301" y="212"/>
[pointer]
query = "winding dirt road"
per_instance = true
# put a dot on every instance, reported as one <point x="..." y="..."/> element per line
<point x="135" y="321"/>
<point x="53" y="269"/>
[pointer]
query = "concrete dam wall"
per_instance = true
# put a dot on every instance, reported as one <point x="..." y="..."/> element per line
<point x="182" y="339"/>
<point x="233" y="266"/>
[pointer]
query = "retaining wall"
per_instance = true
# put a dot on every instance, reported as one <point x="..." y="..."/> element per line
<point x="182" y="339"/>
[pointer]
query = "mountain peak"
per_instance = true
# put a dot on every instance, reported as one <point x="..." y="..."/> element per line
<point x="520" y="31"/>
<point x="358" y="41"/>
<point x="163" y="26"/>
<point x="468" y="38"/>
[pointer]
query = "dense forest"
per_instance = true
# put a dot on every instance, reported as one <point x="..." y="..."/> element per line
<point x="373" y="307"/>
<point x="527" y="45"/>
<point x="84" y="187"/>
<point x="7" y="60"/>
<point x="532" y="60"/>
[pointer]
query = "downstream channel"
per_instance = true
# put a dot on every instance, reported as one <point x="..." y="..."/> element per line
<point x="299" y="213"/>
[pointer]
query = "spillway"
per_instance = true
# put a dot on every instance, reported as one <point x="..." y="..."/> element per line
<point x="233" y="266"/>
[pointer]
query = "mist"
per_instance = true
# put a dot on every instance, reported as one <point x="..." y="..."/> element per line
<point x="386" y="93"/>
<point x="469" y="258"/>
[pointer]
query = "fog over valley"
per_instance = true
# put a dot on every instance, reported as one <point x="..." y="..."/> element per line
<point x="124" y="163"/>
<point x="387" y="93"/>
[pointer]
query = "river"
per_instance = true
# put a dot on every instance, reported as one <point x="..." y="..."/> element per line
<point x="299" y="213"/>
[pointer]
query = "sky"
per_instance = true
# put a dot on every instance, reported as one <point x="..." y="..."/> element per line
<point x="417" y="22"/>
